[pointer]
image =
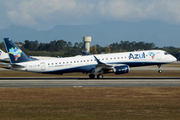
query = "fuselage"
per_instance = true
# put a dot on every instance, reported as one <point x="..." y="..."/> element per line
<point x="89" y="63"/>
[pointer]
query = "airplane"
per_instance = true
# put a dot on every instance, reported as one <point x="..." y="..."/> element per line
<point x="118" y="63"/>
<point x="4" y="56"/>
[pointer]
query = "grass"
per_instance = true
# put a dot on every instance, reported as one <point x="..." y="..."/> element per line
<point x="89" y="103"/>
<point x="157" y="103"/>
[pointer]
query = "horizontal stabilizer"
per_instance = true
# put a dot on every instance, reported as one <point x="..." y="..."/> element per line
<point x="17" y="66"/>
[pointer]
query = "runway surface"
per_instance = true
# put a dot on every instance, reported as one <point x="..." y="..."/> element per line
<point x="85" y="82"/>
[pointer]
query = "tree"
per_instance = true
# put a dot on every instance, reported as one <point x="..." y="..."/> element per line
<point x="2" y="46"/>
<point x="52" y="46"/>
<point x="93" y="50"/>
<point x="31" y="45"/>
<point x="107" y="48"/>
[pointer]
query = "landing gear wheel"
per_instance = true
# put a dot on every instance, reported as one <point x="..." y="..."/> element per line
<point x="99" y="76"/>
<point x="159" y="71"/>
<point x="91" y="76"/>
<point x="159" y="68"/>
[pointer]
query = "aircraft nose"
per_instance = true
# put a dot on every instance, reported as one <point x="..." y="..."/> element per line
<point x="174" y="59"/>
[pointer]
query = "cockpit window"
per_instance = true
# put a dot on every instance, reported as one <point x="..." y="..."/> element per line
<point x="165" y="53"/>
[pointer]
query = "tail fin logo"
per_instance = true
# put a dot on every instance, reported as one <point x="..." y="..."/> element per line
<point x="15" y="52"/>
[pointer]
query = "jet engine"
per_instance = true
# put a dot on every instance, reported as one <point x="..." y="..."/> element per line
<point x="121" y="69"/>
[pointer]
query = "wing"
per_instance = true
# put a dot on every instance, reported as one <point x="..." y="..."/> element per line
<point x="102" y="66"/>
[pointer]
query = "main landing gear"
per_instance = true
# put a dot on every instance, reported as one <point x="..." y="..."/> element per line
<point x="91" y="76"/>
<point x="160" y="71"/>
<point x="99" y="76"/>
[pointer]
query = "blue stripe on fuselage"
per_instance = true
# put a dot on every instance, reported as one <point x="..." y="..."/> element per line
<point x="89" y="68"/>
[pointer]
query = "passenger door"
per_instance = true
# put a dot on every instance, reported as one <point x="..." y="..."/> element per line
<point x="43" y="67"/>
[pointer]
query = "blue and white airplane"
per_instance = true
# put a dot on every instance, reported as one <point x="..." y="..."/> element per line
<point x="118" y="63"/>
<point x="4" y="56"/>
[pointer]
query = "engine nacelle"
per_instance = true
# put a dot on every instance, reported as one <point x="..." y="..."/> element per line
<point x="121" y="69"/>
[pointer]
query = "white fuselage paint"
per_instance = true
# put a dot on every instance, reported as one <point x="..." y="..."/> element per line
<point x="87" y="63"/>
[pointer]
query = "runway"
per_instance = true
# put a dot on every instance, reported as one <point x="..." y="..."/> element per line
<point x="85" y="82"/>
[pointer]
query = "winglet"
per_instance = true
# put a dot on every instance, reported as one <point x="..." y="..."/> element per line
<point x="16" y="55"/>
<point x="98" y="61"/>
<point x="85" y="53"/>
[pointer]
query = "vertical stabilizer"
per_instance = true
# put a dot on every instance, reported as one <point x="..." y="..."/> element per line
<point x="16" y="55"/>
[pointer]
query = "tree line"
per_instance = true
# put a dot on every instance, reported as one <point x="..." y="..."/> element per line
<point x="65" y="49"/>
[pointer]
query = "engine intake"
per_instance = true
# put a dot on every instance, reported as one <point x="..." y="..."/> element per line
<point x="121" y="69"/>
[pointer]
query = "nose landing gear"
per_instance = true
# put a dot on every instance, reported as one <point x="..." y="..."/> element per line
<point x="160" y="71"/>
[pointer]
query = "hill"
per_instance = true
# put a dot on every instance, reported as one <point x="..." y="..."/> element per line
<point x="158" y="32"/>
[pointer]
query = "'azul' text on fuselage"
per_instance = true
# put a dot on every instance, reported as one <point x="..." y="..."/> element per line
<point x="136" y="56"/>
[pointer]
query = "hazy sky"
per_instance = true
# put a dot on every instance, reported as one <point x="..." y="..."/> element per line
<point x="45" y="14"/>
